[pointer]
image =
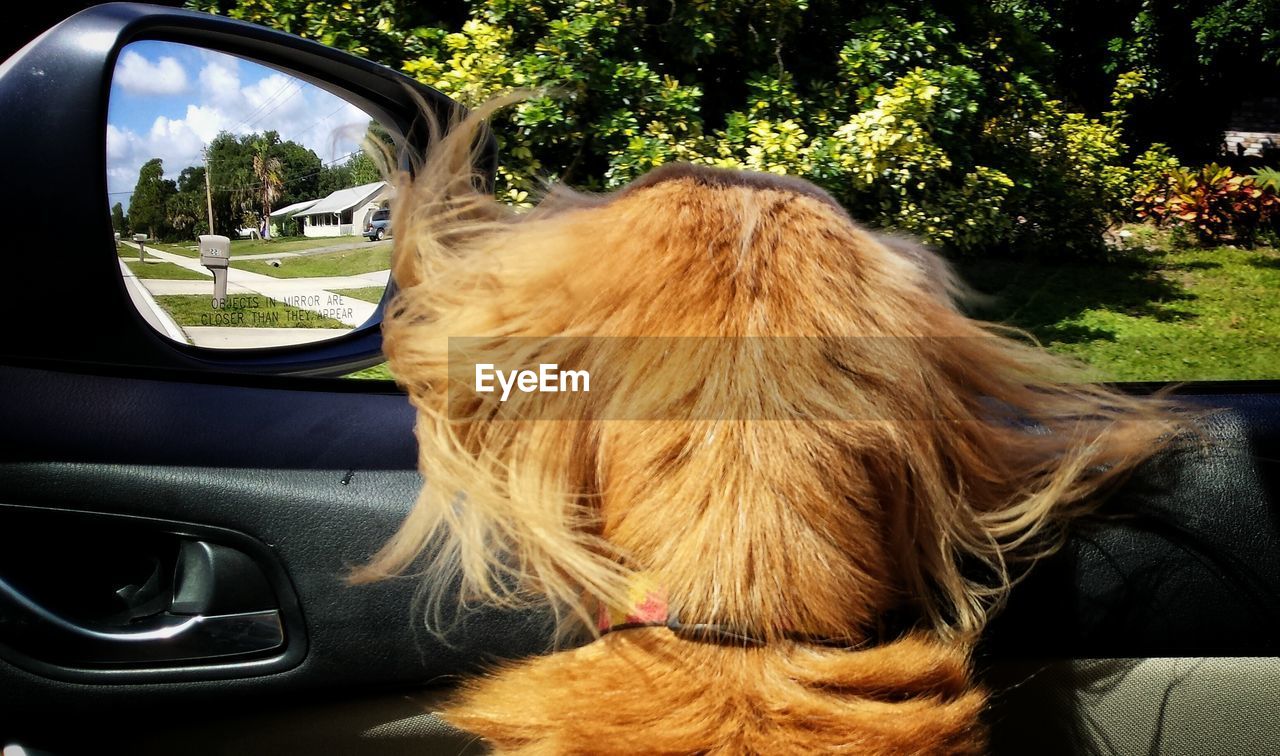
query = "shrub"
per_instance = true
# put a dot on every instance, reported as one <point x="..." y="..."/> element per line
<point x="1267" y="179"/>
<point x="936" y="121"/>
<point x="1214" y="202"/>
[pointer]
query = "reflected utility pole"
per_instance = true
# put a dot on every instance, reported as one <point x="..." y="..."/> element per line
<point x="208" y="187"/>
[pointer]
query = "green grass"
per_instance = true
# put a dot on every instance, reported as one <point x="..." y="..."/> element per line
<point x="185" y="249"/>
<point x="242" y="310"/>
<point x="348" y="262"/>
<point x="377" y="372"/>
<point x="367" y="294"/>
<point x="244" y="246"/>
<point x="155" y="269"/>
<point x="1152" y="313"/>
<point x="287" y="244"/>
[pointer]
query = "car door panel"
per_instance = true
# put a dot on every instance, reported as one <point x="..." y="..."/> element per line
<point x="319" y="478"/>
<point x="322" y="473"/>
<point x="1186" y="563"/>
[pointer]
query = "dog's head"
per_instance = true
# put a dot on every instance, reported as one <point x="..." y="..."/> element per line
<point x="795" y="429"/>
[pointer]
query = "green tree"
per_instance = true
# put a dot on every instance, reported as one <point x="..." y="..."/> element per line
<point x="186" y="210"/>
<point x="267" y="170"/>
<point x="334" y="177"/>
<point x="185" y="215"/>
<point x="363" y="169"/>
<point x="118" y="222"/>
<point x="374" y="29"/>
<point x="237" y="187"/>
<point x="300" y="168"/>
<point x="1199" y="59"/>
<point x="148" y="204"/>
<point x="231" y="180"/>
<point x="191" y="180"/>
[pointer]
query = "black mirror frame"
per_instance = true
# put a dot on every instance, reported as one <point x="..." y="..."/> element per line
<point x="55" y="92"/>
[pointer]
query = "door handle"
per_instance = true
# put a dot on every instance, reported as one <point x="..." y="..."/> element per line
<point x="164" y="637"/>
<point x="215" y="604"/>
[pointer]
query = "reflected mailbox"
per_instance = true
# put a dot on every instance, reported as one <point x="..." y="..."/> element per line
<point x="215" y="254"/>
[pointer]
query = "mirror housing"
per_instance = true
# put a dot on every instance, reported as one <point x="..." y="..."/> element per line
<point x="56" y="159"/>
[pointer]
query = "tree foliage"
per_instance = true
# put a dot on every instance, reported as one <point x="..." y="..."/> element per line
<point x="356" y="170"/>
<point x="118" y="222"/>
<point x="1198" y="58"/>
<point x="186" y="210"/>
<point x="270" y="181"/>
<point x="239" y="182"/>
<point x="979" y="126"/>
<point x="147" y="204"/>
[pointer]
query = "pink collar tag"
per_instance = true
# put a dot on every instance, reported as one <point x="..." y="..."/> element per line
<point x="647" y="606"/>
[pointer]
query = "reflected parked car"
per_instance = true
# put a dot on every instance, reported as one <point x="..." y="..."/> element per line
<point x="379" y="225"/>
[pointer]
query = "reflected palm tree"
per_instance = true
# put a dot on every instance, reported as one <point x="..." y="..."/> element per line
<point x="267" y="170"/>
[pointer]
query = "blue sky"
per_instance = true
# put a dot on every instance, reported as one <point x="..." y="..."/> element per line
<point x="169" y="100"/>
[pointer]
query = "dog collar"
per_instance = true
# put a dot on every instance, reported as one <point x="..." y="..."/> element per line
<point x="649" y="607"/>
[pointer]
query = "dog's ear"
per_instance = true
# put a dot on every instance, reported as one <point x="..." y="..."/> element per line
<point x="438" y="200"/>
<point x="506" y="513"/>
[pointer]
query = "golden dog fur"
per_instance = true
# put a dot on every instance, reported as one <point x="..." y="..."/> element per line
<point x="914" y="505"/>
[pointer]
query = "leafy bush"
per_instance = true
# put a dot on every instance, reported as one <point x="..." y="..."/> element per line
<point x="937" y="121"/>
<point x="1214" y="202"/>
<point x="1267" y="179"/>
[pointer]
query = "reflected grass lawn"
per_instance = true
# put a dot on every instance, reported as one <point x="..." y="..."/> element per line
<point x="377" y="372"/>
<point x="185" y="249"/>
<point x="289" y="244"/>
<point x="347" y="262"/>
<point x="371" y="294"/>
<point x="167" y="271"/>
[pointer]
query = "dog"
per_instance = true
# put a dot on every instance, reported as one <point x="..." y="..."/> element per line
<point x="783" y="524"/>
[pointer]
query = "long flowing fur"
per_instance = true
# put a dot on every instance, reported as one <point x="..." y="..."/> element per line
<point x="931" y="452"/>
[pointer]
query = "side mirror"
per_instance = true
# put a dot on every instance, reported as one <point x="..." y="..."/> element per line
<point x="69" y="138"/>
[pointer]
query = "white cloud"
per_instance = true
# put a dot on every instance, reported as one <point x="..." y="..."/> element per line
<point x="273" y="93"/>
<point x="205" y="121"/>
<point x="219" y="83"/>
<point x="116" y="142"/>
<point x="174" y="139"/>
<point x="137" y="75"/>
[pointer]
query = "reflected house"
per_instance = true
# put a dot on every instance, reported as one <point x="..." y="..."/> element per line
<point x="278" y="217"/>
<point x="343" y="213"/>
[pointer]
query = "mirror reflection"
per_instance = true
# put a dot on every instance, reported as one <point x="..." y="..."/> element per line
<point x="246" y="207"/>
